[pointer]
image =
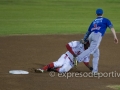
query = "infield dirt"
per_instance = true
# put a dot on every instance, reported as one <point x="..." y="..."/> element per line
<point x="34" y="51"/>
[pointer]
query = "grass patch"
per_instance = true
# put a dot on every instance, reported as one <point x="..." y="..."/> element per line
<point x="53" y="16"/>
<point x="115" y="87"/>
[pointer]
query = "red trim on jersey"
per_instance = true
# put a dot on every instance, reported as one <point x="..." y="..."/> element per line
<point x="70" y="49"/>
<point x="69" y="58"/>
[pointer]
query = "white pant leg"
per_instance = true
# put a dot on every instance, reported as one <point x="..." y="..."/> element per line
<point x="95" y="60"/>
<point x="95" y="39"/>
<point x="87" y="59"/>
<point x="66" y="66"/>
<point x="60" y="61"/>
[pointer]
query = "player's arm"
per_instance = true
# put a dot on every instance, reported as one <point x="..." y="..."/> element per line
<point x="87" y="33"/>
<point x="69" y="48"/>
<point x="110" y="25"/>
<point x="114" y="35"/>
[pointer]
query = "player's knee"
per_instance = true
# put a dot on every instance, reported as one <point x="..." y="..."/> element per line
<point x="57" y="64"/>
<point x="96" y="54"/>
<point x="63" y="70"/>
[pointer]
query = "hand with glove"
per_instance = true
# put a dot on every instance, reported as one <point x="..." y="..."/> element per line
<point x="82" y="41"/>
<point x="75" y="62"/>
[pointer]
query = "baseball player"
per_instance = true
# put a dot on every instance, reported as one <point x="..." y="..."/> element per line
<point x="67" y="60"/>
<point x="94" y="34"/>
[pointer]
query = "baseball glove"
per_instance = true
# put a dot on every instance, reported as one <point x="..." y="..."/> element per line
<point x="86" y="45"/>
<point x="75" y="62"/>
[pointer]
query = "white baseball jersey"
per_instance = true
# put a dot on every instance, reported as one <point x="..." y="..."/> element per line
<point x="66" y="61"/>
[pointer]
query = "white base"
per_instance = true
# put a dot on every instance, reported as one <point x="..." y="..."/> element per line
<point x="18" y="72"/>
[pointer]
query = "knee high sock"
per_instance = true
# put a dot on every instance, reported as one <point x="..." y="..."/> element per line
<point x="51" y="65"/>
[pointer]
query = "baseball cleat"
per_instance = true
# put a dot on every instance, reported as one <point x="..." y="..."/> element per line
<point x="91" y="68"/>
<point x="39" y="70"/>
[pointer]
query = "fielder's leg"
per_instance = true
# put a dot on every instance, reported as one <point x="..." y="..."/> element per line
<point x="86" y="62"/>
<point x="95" y="39"/>
<point x="95" y="61"/>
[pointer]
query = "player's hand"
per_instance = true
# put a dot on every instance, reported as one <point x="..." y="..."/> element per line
<point x="75" y="62"/>
<point x="116" y="40"/>
<point x="82" y="41"/>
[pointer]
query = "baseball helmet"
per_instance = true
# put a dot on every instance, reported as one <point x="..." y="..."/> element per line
<point x="99" y="11"/>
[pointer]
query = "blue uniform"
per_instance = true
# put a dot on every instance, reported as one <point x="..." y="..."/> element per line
<point x="94" y="34"/>
<point x="100" y="24"/>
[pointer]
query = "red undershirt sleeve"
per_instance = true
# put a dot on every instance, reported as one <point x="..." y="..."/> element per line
<point x="70" y="49"/>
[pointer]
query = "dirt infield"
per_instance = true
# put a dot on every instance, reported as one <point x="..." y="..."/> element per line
<point x="34" y="51"/>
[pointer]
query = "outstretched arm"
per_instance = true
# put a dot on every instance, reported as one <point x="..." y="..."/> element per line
<point x="86" y="36"/>
<point x="114" y="34"/>
<point x="70" y="50"/>
<point x="87" y="33"/>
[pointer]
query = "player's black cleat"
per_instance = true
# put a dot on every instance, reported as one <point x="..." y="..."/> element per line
<point x="52" y="69"/>
<point x="91" y="68"/>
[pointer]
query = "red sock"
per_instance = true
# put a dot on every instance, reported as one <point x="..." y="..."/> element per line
<point x="86" y="63"/>
<point x="51" y="65"/>
<point x="57" y="69"/>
